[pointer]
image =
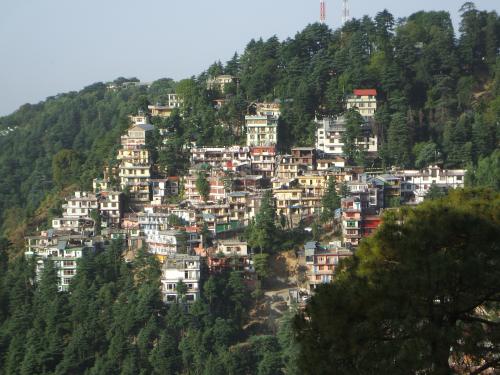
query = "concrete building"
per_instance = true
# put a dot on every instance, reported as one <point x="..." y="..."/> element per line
<point x="220" y="82"/>
<point x="163" y="189"/>
<point x="181" y="268"/>
<point x="420" y="181"/>
<point x="82" y="226"/>
<point x="227" y="158"/>
<point x="330" y="164"/>
<point x="217" y="188"/>
<point x="330" y="133"/>
<point x="61" y="249"/>
<point x="351" y="221"/>
<point x="261" y="130"/>
<point x="135" y="164"/>
<point x="164" y="242"/>
<point x="229" y="254"/>
<point x="287" y="169"/>
<point x="263" y="160"/>
<point x="321" y="263"/>
<point x="364" y="101"/>
<point x="304" y="156"/>
<point x="359" y="220"/>
<point x="80" y="205"/>
<point x="172" y="101"/>
<point x="110" y="208"/>
<point x="268" y="109"/>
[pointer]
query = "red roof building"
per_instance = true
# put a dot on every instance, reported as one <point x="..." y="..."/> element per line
<point x="365" y="92"/>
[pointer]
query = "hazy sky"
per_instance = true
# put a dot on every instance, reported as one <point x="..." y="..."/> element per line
<point x="53" y="46"/>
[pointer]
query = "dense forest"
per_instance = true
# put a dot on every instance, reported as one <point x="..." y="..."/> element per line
<point x="114" y="321"/>
<point x="439" y="101"/>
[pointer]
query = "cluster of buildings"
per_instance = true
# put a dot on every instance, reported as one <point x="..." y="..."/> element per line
<point x="185" y="229"/>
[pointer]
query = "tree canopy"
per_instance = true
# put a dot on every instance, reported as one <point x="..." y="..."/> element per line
<point x="414" y="297"/>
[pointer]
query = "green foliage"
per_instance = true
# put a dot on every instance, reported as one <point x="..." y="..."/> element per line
<point x="398" y="142"/>
<point x="487" y="173"/>
<point x="438" y="98"/>
<point x="421" y="294"/>
<point x="203" y="186"/>
<point x="354" y="121"/>
<point x="435" y="192"/>
<point x="425" y="154"/>
<point x="262" y="232"/>
<point x="113" y="321"/>
<point x="65" y="168"/>
<point x="330" y="202"/>
<point x="261" y="265"/>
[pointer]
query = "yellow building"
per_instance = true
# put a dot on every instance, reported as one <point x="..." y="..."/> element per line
<point x="135" y="164"/>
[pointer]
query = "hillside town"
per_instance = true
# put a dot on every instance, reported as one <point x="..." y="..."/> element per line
<point x="196" y="223"/>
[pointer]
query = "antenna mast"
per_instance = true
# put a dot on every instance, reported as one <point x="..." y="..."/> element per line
<point x="346" y="16"/>
<point x="322" y="11"/>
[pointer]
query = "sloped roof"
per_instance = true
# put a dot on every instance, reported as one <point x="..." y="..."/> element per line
<point x="365" y="92"/>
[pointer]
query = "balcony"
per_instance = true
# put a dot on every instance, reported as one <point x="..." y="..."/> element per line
<point x="352" y="235"/>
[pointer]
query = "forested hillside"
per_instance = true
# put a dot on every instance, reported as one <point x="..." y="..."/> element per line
<point x="438" y="101"/>
<point x="438" y="92"/>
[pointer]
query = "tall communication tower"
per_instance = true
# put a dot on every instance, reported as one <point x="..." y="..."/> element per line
<point x="346" y="15"/>
<point x="322" y="11"/>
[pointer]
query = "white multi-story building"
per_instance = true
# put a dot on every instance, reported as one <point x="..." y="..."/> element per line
<point x="164" y="188"/>
<point x="261" y="130"/>
<point x="80" y="205"/>
<point x="181" y="268"/>
<point x="331" y="131"/>
<point x="62" y="250"/>
<point x="110" y="206"/>
<point x="420" y="181"/>
<point x="164" y="242"/>
<point x="152" y="221"/>
<point x="227" y="158"/>
<point x="76" y="224"/>
<point x="364" y="101"/>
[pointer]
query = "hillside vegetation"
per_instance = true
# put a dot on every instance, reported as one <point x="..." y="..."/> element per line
<point x="438" y="100"/>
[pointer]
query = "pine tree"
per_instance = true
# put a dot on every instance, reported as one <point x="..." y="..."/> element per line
<point x="330" y="202"/>
<point x="203" y="186"/>
<point x="262" y="233"/>
<point x="398" y="141"/>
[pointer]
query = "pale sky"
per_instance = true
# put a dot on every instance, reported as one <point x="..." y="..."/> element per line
<point x="54" y="46"/>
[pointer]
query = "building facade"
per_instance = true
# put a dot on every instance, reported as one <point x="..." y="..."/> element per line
<point x="185" y="269"/>
<point x="261" y="130"/>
